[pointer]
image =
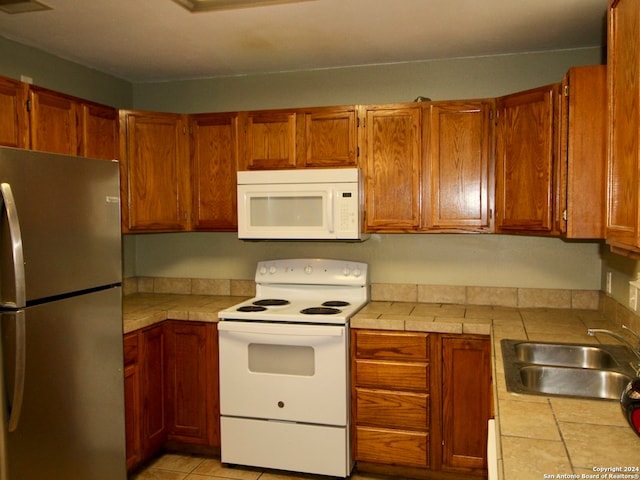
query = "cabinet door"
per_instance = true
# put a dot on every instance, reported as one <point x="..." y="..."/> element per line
<point x="187" y="365"/>
<point x="154" y="172"/>
<point x="458" y="151"/>
<point x="214" y="163"/>
<point x="99" y="132"/>
<point x="581" y="166"/>
<point x="154" y="390"/>
<point x="132" y="401"/>
<point x="54" y="120"/>
<point x="269" y="140"/>
<point x="392" y="159"/>
<point x="624" y="124"/>
<point x="466" y="403"/>
<point x="330" y="137"/>
<point x="14" y="123"/>
<point x="525" y="151"/>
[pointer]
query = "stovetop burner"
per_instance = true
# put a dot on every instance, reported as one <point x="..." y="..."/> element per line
<point x="271" y="302"/>
<point x="251" y="308"/>
<point x="335" y="303"/>
<point x="320" y="311"/>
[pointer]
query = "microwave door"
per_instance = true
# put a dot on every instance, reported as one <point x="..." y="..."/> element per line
<point x="285" y="212"/>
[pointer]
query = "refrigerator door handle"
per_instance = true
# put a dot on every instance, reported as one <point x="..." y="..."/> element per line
<point x="15" y="407"/>
<point x="16" y="246"/>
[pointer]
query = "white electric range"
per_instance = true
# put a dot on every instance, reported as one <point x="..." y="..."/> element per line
<point x="284" y="367"/>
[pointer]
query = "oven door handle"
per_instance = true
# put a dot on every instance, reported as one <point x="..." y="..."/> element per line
<point x="282" y="329"/>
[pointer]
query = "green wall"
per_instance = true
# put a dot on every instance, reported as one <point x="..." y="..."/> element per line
<point x="62" y="75"/>
<point x="439" y="80"/>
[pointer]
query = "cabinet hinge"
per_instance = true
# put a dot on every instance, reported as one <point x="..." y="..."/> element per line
<point x="28" y="105"/>
<point x="564" y="215"/>
<point x="491" y="214"/>
<point x="491" y="114"/>
<point x="357" y="121"/>
<point x="566" y="90"/>
<point x="358" y="152"/>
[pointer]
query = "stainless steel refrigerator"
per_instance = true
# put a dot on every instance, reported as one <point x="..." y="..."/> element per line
<point x="60" y="318"/>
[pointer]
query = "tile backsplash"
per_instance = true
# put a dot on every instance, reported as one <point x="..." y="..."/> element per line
<point x="389" y="292"/>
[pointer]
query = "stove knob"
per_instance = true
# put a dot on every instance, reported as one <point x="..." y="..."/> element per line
<point x="272" y="269"/>
<point x="263" y="270"/>
<point x="346" y="271"/>
<point x="308" y="269"/>
<point x="357" y="272"/>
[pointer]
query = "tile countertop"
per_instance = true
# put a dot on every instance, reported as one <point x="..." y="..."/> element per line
<point x="538" y="436"/>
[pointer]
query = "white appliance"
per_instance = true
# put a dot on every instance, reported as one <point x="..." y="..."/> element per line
<point x="304" y="204"/>
<point x="284" y="367"/>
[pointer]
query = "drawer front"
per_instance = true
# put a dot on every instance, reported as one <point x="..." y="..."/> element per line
<point x="392" y="409"/>
<point x="130" y="348"/>
<point x="392" y="375"/>
<point x="392" y="447"/>
<point x="392" y="345"/>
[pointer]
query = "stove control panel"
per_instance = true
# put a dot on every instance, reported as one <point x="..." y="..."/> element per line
<point x="312" y="271"/>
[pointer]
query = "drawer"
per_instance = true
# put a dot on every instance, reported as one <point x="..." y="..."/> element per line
<point x="392" y="409"/>
<point x="392" y="375"/>
<point x="382" y="345"/>
<point x="130" y="348"/>
<point x="392" y="447"/>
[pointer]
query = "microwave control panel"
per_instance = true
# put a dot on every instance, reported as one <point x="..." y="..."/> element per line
<point x="347" y="214"/>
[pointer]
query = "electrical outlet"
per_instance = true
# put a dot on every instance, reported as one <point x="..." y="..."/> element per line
<point x="607" y="287"/>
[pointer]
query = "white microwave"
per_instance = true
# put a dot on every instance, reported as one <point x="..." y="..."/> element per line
<point x="305" y="204"/>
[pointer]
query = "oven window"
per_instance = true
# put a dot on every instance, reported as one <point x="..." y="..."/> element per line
<point x="281" y="359"/>
<point x="302" y="211"/>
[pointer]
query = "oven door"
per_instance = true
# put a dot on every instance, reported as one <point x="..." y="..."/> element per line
<point x="280" y="371"/>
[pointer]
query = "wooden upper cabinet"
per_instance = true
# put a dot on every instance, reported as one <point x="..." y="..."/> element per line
<point x="457" y="137"/>
<point x="393" y="166"/>
<point x="623" y="230"/>
<point x="525" y="150"/>
<point x="214" y="163"/>
<point x="14" y="122"/>
<point x="54" y="120"/>
<point x="154" y="171"/>
<point x="99" y="137"/>
<point x="582" y="161"/>
<point x="269" y="140"/>
<point x="330" y="137"/>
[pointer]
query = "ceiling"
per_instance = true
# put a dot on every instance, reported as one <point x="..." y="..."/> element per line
<point x="159" y="40"/>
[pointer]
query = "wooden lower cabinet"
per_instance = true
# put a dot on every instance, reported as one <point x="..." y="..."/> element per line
<point x="420" y="402"/>
<point x="466" y="403"/>
<point x="171" y="388"/>
<point x="132" y="400"/>
<point x="390" y="378"/>
<point x="153" y="389"/>
<point x="192" y="363"/>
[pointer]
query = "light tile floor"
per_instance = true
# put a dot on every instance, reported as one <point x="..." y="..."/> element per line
<point x="173" y="466"/>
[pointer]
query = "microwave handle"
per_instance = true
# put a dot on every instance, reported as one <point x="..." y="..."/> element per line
<point x="332" y="206"/>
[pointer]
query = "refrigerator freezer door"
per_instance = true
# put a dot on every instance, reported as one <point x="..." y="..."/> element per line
<point x="72" y="419"/>
<point x="69" y="215"/>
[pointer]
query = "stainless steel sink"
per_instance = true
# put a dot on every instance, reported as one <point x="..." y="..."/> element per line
<point x="582" y="356"/>
<point x="574" y="382"/>
<point x="566" y="369"/>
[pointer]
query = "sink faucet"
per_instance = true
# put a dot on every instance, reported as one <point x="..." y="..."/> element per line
<point x="634" y="349"/>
